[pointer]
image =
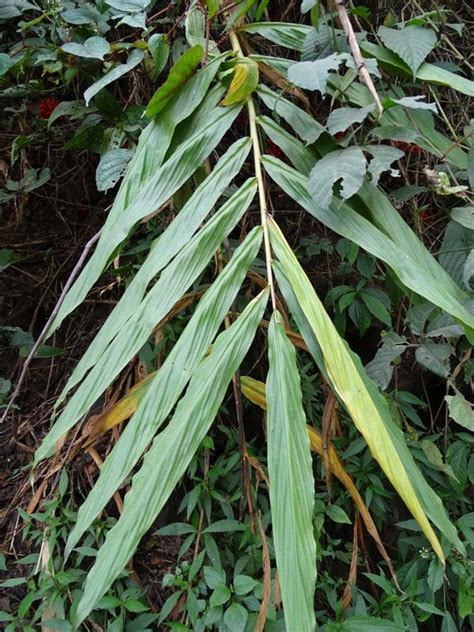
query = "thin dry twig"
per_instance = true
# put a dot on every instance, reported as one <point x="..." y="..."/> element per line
<point x="45" y="329"/>
<point x="359" y="60"/>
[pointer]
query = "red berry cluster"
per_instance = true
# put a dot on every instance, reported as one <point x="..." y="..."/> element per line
<point x="47" y="107"/>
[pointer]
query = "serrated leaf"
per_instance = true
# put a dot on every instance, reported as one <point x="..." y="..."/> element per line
<point x="435" y="457"/>
<point x="337" y="514"/>
<point x="179" y="74"/>
<point x="434" y="357"/>
<point x="244" y="82"/>
<point x="380" y="369"/>
<point x="342" y="118"/>
<point x="412" y="43"/>
<point x="382" y="158"/>
<point x="313" y="75"/>
<point x="111" y="168"/>
<point x="435" y="577"/>
<point x="135" y="58"/>
<point x="167" y="459"/>
<point x="235" y="618"/>
<point x="460" y="410"/>
<point x="291" y="481"/>
<point x="348" y="165"/>
<point x="243" y="584"/>
<point x="94" y="48"/>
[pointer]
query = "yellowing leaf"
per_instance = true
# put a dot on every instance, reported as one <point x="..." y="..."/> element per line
<point x="243" y="83"/>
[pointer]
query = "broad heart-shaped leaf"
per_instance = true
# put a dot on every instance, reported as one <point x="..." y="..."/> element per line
<point x="163" y="249"/>
<point x="430" y="501"/>
<point x="349" y="385"/>
<point x="342" y="118"/>
<point x="284" y="34"/>
<point x="244" y="82"/>
<point x="111" y="168"/>
<point x="393" y="241"/>
<point x="460" y="410"/>
<point x="135" y="57"/>
<point x="348" y="165"/>
<point x="173" y="282"/>
<point x="291" y="481"/>
<point x="167" y="460"/>
<point x="94" y="47"/>
<point x="180" y="73"/>
<point x="412" y="43"/>
<point x="145" y="188"/>
<point x="167" y="385"/>
<point x="313" y="75"/>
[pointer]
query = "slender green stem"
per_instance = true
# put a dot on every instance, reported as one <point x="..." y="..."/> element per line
<point x="257" y="154"/>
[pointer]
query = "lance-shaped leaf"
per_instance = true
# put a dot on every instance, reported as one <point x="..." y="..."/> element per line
<point x="135" y="57"/>
<point x="291" y="482"/>
<point x="284" y="34"/>
<point x="172" y="240"/>
<point x="180" y="73"/>
<point x="174" y="281"/>
<point x="164" y="389"/>
<point x="416" y="268"/>
<point x="255" y="391"/>
<point x="431" y="503"/>
<point x="349" y="386"/>
<point x="171" y="452"/>
<point x="148" y="158"/>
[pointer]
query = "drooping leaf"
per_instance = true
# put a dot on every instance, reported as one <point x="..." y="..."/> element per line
<point x="313" y="75"/>
<point x="304" y="125"/>
<point x="94" y="47"/>
<point x="457" y="243"/>
<point x="166" y="386"/>
<point x="411" y="43"/>
<point x="460" y="410"/>
<point x="291" y="482"/>
<point x="288" y="35"/>
<point x="159" y="49"/>
<point x="244" y="81"/>
<point x="179" y="74"/>
<point x="407" y="256"/>
<point x="171" y="452"/>
<point x="434" y="356"/>
<point x="430" y="502"/>
<point x="434" y="456"/>
<point x="416" y="103"/>
<point x="134" y="202"/>
<point x="135" y="58"/>
<point x="348" y="165"/>
<point x="349" y="385"/>
<point x="173" y="239"/>
<point x="342" y="118"/>
<point x="173" y="282"/>
<point x="111" y="168"/>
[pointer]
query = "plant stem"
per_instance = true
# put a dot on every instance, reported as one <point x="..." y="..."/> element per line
<point x="257" y="154"/>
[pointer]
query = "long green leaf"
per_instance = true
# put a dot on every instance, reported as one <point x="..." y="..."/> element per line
<point x="171" y="452"/>
<point x="350" y="386"/>
<point x="158" y="189"/>
<point x="429" y="281"/>
<point x="429" y="500"/>
<point x="163" y="391"/>
<point x="291" y="482"/>
<point x="173" y="239"/>
<point x="286" y="34"/>
<point x="174" y="281"/>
